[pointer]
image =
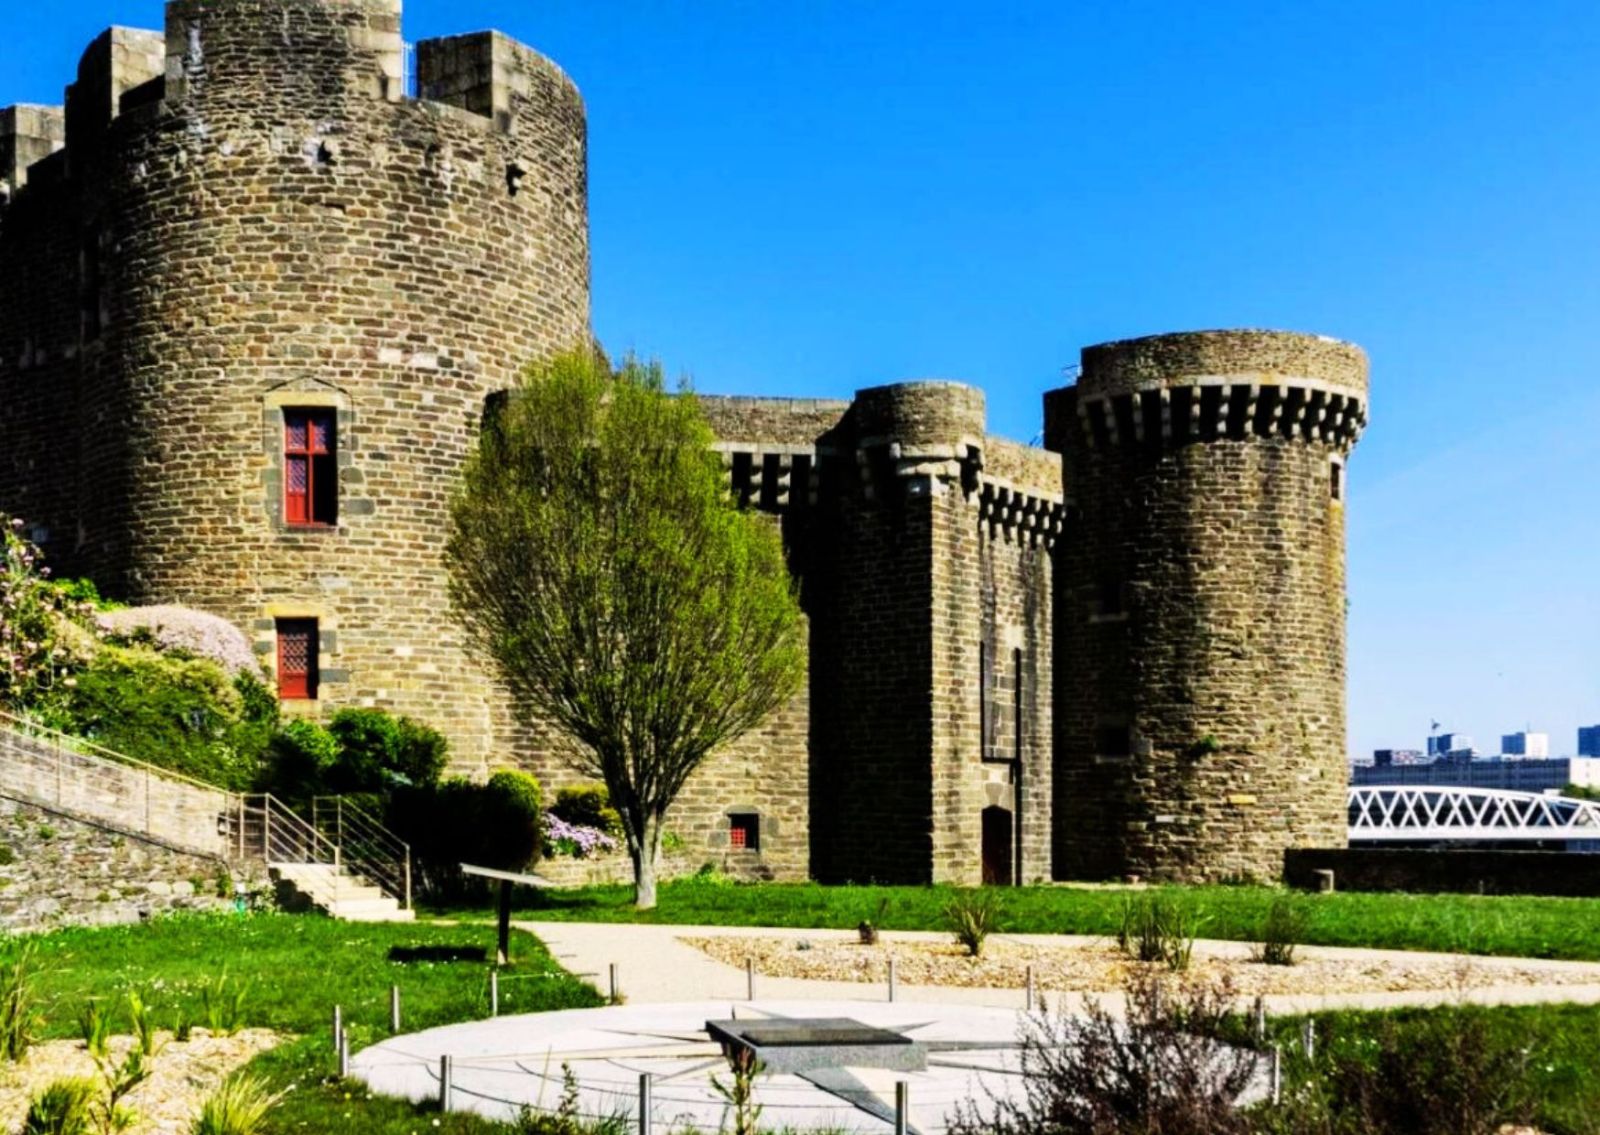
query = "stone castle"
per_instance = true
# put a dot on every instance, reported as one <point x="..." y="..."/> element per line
<point x="256" y="297"/>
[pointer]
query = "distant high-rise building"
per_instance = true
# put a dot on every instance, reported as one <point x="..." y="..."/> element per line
<point x="1446" y="744"/>
<point x="1525" y="744"/>
<point x="1386" y="758"/>
<point x="1589" y="741"/>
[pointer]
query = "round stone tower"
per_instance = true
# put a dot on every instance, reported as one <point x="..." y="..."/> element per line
<point x="305" y="274"/>
<point x="1200" y="603"/>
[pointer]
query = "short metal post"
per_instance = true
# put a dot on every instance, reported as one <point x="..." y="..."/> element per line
<point x="614" y="983"/>
<point x="344" y="1055"/>
<point x="891" y="979"/>
<point x="644" y="1103"/>
<point x="147" y="801"/>
<point x="446" y="1067"/>
<point x="394" y="1008"/>
<point x="338" y="1026"/>
<point x="902" y="1107"/>
<point x="1308" y="1038"/>
<point x="1277" y="1075"/>
<point x="408" y="878"/>
<point x="494" y="993"/>
<point x="1261" y="1020"/>
<point x="1030" y="989"/>
<point x="749" y="979"/>
<point x="241" y="827"/>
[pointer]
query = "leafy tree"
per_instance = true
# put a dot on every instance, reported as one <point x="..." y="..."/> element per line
<point x="596" y="558"/>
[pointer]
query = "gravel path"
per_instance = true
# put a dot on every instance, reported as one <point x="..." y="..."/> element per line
<point x="1096" y="967"/>
<point x="166" y="1104"/>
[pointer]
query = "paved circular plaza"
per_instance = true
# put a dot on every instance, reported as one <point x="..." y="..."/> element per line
<point x="844" y="1067"/>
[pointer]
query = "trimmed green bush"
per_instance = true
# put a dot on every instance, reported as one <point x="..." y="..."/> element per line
<point x="498" y="824"/>
<point x="183" y="714"/>
<point x="378" y="751"/>
<point x="588" y="805"/>
<point x="299" y="760"/>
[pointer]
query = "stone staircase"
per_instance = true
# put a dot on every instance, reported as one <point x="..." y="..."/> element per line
<point x="339" y="893"/>
<point x="356" y="870"/>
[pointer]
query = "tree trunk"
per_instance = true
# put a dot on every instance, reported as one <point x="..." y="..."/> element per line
<point x="644" y="865"/>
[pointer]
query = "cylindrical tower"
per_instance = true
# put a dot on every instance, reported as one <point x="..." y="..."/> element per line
<point x="312" y="283"/>
<point x="1200" y="603"/>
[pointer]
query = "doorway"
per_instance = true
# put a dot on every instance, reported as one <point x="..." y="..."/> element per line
<point x="997" y="839"/>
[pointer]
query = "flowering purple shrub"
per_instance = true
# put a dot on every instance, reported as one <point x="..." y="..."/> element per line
<point x="179" y="628"/>
<point x="575" y="840"/>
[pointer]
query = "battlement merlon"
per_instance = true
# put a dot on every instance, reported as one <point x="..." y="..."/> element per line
<point x="492" y="75"/>
<point x="315" y="50"/>
<point x="28" y="134"/>
<point x="117" y="61"/>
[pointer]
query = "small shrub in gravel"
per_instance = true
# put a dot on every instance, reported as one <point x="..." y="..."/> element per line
<point x="62" y="1108"/>
<point x="1282" y="928"/>
<point x="1157" y="929"/>
<point x="972" y="917"/>
<point x="238" y="1107"/>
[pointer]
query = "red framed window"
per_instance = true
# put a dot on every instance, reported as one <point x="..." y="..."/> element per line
<point x="310" y="470"/>
<point x="744" y="831"/>
<point x="297" y="659"/>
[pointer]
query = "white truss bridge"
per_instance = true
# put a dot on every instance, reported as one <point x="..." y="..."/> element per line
<point x="1435" y="812"/>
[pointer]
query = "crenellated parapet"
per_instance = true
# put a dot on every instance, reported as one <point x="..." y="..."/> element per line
<point x="1221" y="386"/>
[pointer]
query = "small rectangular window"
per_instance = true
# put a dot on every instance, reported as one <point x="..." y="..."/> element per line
<point x="744" y="831"/>
<point x="297" y="659"/>
<point x="1113" y="741"/>
<point x="1336" y="480"/>
<point x="310" y="470"/>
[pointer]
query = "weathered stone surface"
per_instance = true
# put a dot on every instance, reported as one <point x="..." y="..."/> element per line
<point x="245" y="213"/>
<point x="55" y="870"/>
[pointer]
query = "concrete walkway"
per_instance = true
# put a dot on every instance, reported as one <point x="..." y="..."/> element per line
<point x="654" y="966"/>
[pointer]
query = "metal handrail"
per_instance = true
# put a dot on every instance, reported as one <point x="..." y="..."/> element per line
<point x="88" y="748"/>
<point x="285" y="836"/>
<point x="366" y="845"/>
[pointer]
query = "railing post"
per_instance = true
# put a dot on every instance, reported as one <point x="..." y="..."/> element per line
<point x="266" y="828"/>
<point x="147" y="801"/>
<point x="408" y="878"/>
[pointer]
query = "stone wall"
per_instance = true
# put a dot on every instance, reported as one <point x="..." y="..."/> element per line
<point x="275" y="226"/>
<point x="1200" y="604"/>
<point x="56" y="870"/>
<point x="1429" y="871"/>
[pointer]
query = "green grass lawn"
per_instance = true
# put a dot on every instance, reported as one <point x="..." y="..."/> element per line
<point x="1554" y="1045"/>
<point x="297" y="968"/>
<point x="1510" y="925"/>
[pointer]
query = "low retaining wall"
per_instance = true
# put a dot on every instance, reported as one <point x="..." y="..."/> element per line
<point x="566" y="871"/>
<point x="1426" y="871"/>
<point x="56" y="870"/>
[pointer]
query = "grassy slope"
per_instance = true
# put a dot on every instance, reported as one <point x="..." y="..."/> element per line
<point x="1510" y="925"/>
<point x="298" y="968"/>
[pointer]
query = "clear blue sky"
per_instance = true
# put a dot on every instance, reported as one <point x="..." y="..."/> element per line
<point x="810" y="197"/>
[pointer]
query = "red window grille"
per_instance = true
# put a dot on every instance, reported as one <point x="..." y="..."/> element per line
<point x="297" y="659"/>
<point x="744" y="832"/>
<point x="310" y="470"/>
